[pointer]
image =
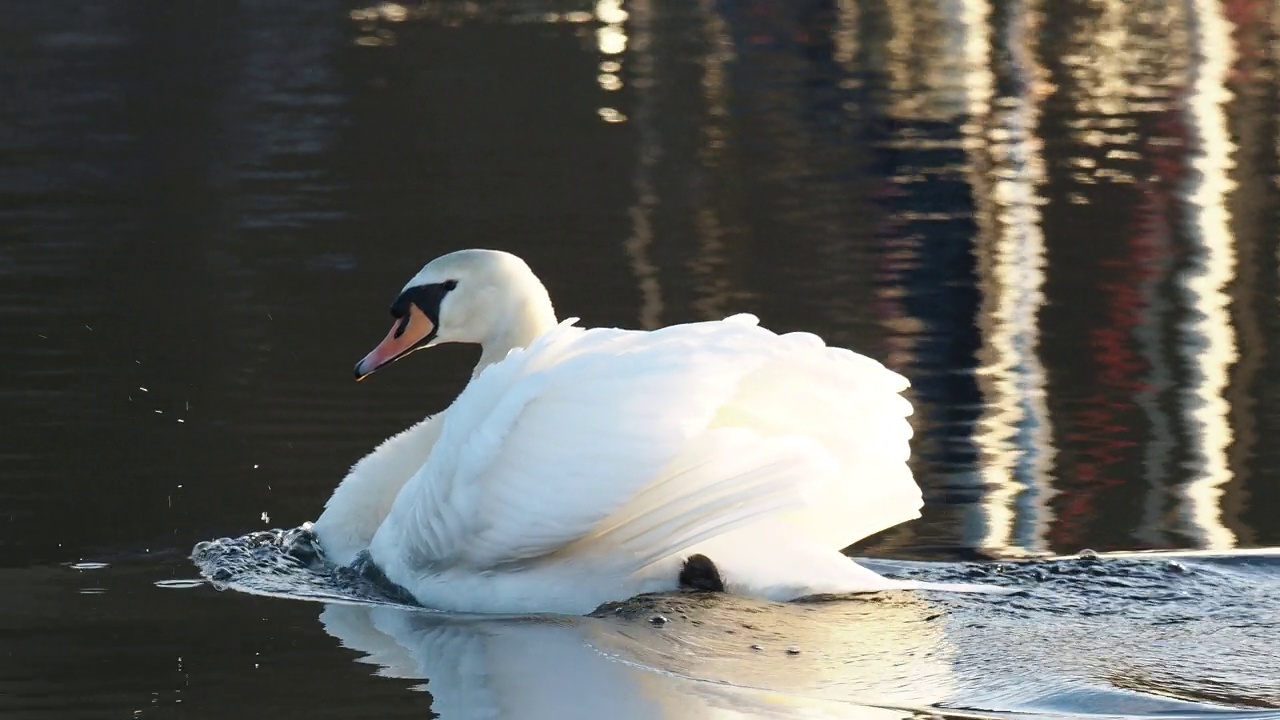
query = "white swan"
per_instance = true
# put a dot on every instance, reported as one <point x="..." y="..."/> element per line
<point x="583" y="466"/>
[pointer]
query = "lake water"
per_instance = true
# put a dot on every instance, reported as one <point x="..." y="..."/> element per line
<point x="1061" y="220"/>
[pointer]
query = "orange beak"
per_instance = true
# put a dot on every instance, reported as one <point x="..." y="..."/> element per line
<point x="404" y="338"/>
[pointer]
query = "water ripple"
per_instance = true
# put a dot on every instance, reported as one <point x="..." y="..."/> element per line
<point x="1151" y="634"/>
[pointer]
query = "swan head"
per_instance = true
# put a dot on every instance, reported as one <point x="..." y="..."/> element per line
<point x="487" y="297"/>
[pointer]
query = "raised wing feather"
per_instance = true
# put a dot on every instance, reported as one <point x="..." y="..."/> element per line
<point x="543" y="446"/>
<point x="637" y="444"/>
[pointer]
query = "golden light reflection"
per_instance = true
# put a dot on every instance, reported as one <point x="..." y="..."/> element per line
<point x="611" y="115"/>
<point x="610" y="12"/>
<point x="1014" y="432"/>
<point x="917" y="94"/>
<point x="611" y="37"/>
<point x="1117" y="72"/>
<point x="990" y="525"/>
<point x="1148" y="115"/>
<point x="713" y="265"/>
<point x="611" y="40"/>
<point x="845" y="36"/>
<point x="932" y="48"/>
<point x="1004" y="170"/>
<point x="639" y="244"/>
<point x="1208" y="342"/>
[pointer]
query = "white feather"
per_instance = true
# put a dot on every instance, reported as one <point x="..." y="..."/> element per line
<point x="581" y="466"/>
<point x="363" y="499"/>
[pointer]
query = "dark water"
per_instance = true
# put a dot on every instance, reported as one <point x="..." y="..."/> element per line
<point x="1060" y="220"/>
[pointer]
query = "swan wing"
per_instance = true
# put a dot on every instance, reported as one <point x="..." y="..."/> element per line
<point x="542" y="447"/>
<point x="364" y="497"/>
<point x="632" y="445"/>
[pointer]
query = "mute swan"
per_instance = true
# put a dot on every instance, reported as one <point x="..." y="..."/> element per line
<point x="580" y="466"/>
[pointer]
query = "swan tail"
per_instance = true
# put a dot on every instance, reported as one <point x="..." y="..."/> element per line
<point x="727" y="479"/>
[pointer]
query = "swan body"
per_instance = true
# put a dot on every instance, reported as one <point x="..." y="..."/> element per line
<point x="580" y="466"/>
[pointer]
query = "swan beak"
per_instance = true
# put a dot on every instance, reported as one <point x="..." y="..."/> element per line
<point x="409" y="333"/>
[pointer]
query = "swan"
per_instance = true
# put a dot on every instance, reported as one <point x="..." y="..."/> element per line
<point x="582" y="466"/>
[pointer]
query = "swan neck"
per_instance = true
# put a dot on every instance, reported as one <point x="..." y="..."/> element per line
<point x="530" y="317"/>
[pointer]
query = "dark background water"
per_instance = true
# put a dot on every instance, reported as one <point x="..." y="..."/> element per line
<point x="1059" y="220"/>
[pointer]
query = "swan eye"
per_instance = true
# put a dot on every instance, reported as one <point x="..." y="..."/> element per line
<point x="426" y="297"/>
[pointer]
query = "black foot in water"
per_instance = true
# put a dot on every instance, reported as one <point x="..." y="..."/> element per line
<point x="701" y="575"/>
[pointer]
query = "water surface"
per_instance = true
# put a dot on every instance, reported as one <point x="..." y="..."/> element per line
<point x="1059" y="220"/>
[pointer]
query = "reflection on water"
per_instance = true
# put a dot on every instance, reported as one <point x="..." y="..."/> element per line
<point x="1015" y="431"/>
<point x="1054" y="223"/>
<point x="1061" y="220"/>
<point x="1208" y="340"/>
<point x="702" y="659"/>
<point x="1154" y="635"/>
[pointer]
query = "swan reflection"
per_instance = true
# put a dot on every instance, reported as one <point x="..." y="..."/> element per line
<point x="721" y="658"/>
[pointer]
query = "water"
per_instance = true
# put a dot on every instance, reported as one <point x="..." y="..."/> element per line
<point x="1058" y="219"/>
<point x="1156" y="635"/>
